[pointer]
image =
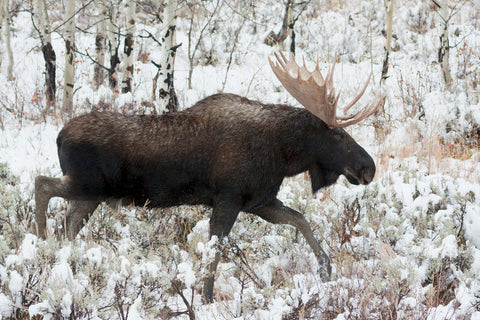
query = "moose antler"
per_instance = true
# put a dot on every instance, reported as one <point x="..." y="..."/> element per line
<point x="316" y="93"/>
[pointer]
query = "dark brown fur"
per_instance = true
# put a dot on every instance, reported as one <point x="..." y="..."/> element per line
<point x="226" y="151"/>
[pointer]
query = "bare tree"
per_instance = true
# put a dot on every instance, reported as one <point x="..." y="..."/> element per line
<point x="69" y="75"/>
<point x="41" y="23"/>
<point x="444" y="51"/>
<point x="167" y="97"/>
<point x="130" y="8"/>
<point x="288" y="26"/>
<point x="278" y="38"/>
<point x="100" y="44"/>
<point x="388" y="45"/>
<point x="5" y="20"/>
<point x="113" y="38"/>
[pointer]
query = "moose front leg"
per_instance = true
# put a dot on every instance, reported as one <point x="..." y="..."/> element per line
<point x="78" y="214"/>
<point x="277" y="213"/>
<point x="46" y="188"/>
<point x="65" y="187"/>
<point x="222" y="220"/>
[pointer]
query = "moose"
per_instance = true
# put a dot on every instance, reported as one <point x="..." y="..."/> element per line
<point x="226" y="152"/>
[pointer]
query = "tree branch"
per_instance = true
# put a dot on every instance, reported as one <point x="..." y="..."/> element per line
<point x="70" y="18"/>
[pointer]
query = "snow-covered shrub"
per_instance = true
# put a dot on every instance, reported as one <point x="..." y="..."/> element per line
<point x="16" y="211"/>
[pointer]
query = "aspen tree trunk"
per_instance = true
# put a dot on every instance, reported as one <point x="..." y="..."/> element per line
<point x="164" y="78"/>
<point x="69" y="76"/>
<point x="287" y="30"/>
<point x="130" y="17"/>
<point x="388" y="44"/>
<point x="190" y="54"/>
<point x="3" y="16"/>
<point x="278" y="38"/>
<point x="290" y="25"/>
<point x="113" y="37"/>
<point x="100" y="45"/>
<point x="5" y="20"/>
<point x="444" y="50"/>
<point x="42" y="24"/>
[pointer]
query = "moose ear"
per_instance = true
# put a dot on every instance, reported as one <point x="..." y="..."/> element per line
<point x="321" y="178"/>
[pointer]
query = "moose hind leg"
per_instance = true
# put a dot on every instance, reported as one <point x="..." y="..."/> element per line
<point x="78" y="213"/>
<point x="46" y="188"/>
<point x="277" y="213"/>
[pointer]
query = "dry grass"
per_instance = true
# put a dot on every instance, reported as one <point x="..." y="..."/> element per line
<point x="432" y="152"/>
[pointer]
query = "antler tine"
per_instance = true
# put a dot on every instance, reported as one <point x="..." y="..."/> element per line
<point x="281" y="62"/>
<point x="290" y="66"/>
<point x="317" y="75"/>
<point x="359" y="116"/>
<point x="317" y="66"/>
<point x="304" y="72"/>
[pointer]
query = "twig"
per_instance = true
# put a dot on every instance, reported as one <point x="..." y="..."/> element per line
<point x="70" y="18"/>
<point x="253" y="77"/>
<point x="190" y="311"/>
<point x="230" y="58"/>
<point x="247" y="268"/>
<point x="86" y="54"/>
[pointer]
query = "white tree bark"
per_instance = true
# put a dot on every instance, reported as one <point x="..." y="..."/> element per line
<point x="69" y="75"/>
<point x="41" y="19"/>
<point x="388" y="45"/>
<point x="4" y="20"/>
<point x="100" y="45"/>
<point x="130" y="16"/>
<point x="286" y="32"/>
<point x="167" y="98"/>
<point x="290" y="31"/>
<point x="444" y="50"/>
<point x="42" y="25"/>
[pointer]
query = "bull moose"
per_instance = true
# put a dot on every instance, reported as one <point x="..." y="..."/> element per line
<point x="227" y="152"/>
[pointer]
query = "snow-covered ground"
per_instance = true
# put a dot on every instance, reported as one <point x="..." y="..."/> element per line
<point x="407" y="246"/>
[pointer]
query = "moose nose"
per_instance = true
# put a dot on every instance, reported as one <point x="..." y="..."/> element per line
<point x="367" y="171"/>
<point x="367" y="175"/>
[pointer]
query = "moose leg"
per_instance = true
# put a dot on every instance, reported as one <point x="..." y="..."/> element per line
<point x="277" y="213"/>
<point x="221" y="222"/>
<point x="78" y="214"/>
<point x="46" y="188"/>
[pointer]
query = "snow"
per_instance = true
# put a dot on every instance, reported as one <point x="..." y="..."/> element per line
<point x="186" y="274"/>
<point x="94" y="256"/>
<point x="16" y="282"/>
<point x="6" y="307"/>
<point x="28" y="248"/>
<point x="472" y="224"/>
<point x="134" y="312"/>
